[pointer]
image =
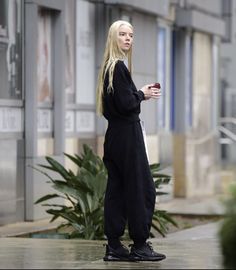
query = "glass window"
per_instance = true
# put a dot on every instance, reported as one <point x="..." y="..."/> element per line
<point x="85" y="53"/>
<point x="161" y="74"/>
<point x="70" y="51"/>
<point x="10" y="50"/>
<point x="172" y="98"/>
<point x="188" y="95"/>
<point x="189" y="91"/>
<point x="44" y="56"/>
<point x="215" y="81"/>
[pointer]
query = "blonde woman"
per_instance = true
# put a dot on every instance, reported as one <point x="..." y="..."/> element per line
<point x="130" y="193"/>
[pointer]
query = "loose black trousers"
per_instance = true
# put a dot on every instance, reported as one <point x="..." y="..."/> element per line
<point x="130" y="193"/>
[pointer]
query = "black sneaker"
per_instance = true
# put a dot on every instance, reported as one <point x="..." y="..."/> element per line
<point x="145" y="253"/>
<point x="119" y="254"/>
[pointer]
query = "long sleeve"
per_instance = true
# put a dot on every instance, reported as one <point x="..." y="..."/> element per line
<point x="126" y="96"/>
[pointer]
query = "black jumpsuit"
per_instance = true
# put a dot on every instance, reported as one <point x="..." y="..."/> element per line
<point x="130" y="193"/>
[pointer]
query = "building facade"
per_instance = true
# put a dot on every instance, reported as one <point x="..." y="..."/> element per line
<point x="50" y="54"/>
<point x="228" y="86"/>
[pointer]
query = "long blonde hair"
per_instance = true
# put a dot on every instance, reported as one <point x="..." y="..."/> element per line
<point x="112" y="54"/>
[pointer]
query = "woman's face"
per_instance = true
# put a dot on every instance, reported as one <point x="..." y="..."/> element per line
<point x="125" y="37"/>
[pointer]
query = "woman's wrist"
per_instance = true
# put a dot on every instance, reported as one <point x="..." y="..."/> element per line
<point x="142" y="94"/>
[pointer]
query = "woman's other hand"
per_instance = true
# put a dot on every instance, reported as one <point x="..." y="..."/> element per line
<point x="150" y="91"/>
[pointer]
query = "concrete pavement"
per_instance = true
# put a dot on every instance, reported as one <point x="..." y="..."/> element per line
<point x="195" y="248"/>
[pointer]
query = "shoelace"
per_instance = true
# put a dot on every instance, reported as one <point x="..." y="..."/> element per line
<point x="123" y="246"/>
<point x="149" y="244"/>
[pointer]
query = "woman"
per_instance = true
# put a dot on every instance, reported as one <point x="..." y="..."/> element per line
<point x="130" y="193"/>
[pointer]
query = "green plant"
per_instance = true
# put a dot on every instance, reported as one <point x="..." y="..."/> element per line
<point x="161" y="218"/>
<point x="83" y="194"/>
<point x="227" y="232"/>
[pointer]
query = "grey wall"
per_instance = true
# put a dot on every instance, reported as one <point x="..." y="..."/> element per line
<point x="199" y="20"/>
<point x="145" y="64"/>
<point x="152" y="6"/>
<point x="228" y="86"/>
<point x="228" y="54"/>
<point x="11" y="181"/>
<point x="212" y="6"/>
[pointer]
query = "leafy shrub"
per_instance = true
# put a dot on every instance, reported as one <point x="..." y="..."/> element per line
<point x="84" y="193"/>
<point x="227" y="232"/>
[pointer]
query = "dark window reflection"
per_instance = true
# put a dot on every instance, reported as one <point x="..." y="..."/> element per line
<point x="10" y="49"/>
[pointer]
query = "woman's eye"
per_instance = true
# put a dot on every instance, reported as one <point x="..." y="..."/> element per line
<point x="124" y="34"/>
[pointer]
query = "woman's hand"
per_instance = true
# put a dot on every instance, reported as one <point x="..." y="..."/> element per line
<point x="151" y="92"/>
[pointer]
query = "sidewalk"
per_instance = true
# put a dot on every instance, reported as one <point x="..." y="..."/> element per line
<point x="25" y="228"/>
<point x="202" y="206"/>
<point x="195" y="248"/>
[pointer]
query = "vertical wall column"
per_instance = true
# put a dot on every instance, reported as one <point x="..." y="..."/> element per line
<point x="215" y="81"/>
<point x="35" y="184"/>
<point x="58" y="83"/>
<point x="100" y="37"/>
<point x="31" y="13"/>
<point x="182" y="109"/>
<point x="195" y="140"/>
<point x="215" y="90"/>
